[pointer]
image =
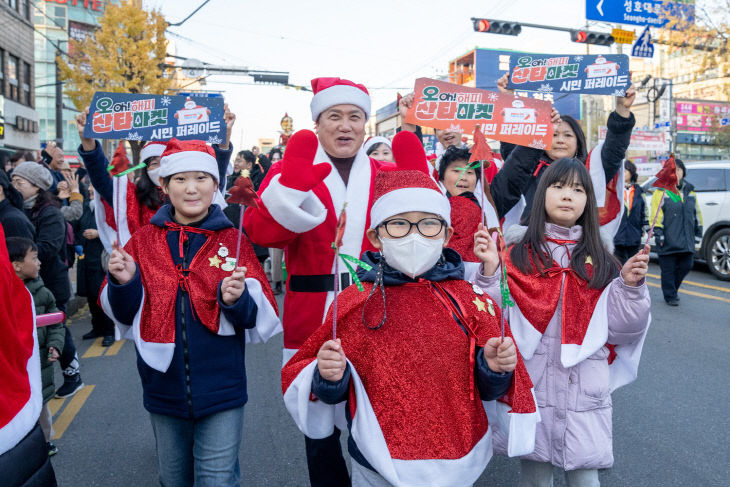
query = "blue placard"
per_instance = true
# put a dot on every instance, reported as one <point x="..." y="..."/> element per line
<point x="643" y="46"/>
<point x="491" y="64"/>
<point x="155" y="117"/>
<point x="645" y="12"/>
<point x="558" y="73"/>
<point x="724" y="121"/>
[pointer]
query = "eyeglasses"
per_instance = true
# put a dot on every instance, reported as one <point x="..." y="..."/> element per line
<point x="400" y="227"/>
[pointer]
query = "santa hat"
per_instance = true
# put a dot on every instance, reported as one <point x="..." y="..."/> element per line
<point x="378" y="139"/>
<point x="407" y="186"/>
<point x="188" y="155"/>
<point x="329" y="92"/>
<point x="152" y="149"/>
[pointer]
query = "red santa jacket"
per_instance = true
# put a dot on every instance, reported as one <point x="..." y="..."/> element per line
<point x="303" y="224"/>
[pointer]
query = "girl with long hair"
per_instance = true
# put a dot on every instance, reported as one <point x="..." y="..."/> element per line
<point x="565" y="283"/>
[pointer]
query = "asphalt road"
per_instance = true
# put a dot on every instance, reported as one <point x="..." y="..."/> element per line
<point x="670" y="425"/>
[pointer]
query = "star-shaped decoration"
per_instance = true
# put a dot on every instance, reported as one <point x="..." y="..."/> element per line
<point x="215" y="261"/>
<point x="480" y="304"/>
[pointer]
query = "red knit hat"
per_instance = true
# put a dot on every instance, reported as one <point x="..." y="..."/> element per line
<point x="152" y="149"/>
<point x="188" y="155"/>
<point x="329" y="92"/>
<point x="407" y="186"/>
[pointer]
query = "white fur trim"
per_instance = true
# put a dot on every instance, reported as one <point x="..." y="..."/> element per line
<point x="316" y="420"/>
<point x="188" y="161"/>
<point x="514" y="215"/>
<point x="378" y="139"/>
<point x="287" y="354"/>
<point x="598" y="176"/>
<point x="518" y="428"/>
<point x="410" y="199"/>
<point x="24" y="421"/>
<point x="107" y="234"/>
<point x="595" y="337"/>
<point x="151" y="150"/>
<point x="514" y="234"/>
<point x="625" y="367"/>
<point x="471" y="269"/>
<point x="267" y="321"/>
<point x="339" y="95"/>
<point x="492" y="218"/>
<point x="297" y="211"/>
<point x="526" y="336"/>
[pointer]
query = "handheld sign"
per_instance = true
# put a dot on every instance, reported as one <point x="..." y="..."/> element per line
<point x="155" y="117"/>
<point x="557" y="73"/>
<point x="442" y="105"/>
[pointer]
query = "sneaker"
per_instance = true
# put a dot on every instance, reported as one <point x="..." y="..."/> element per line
<point x="673" y="302"/>
<point x="107" y="341"/>
<point x="91" y="335"/>
<point x="52" y="449"/>
<point x="71" y="385"/>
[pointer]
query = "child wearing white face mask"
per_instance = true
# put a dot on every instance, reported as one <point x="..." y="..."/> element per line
<point x="415" y="353"/>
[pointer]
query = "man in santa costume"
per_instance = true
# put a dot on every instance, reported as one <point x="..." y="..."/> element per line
<point x="411" y="383"/>
<point x="23" y="453"/>
<point x="302" y="196"/>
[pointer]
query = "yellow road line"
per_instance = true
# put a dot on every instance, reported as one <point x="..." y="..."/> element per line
<point x="70" y="411"/>
<point x="693" y="293"/>
<point x="114" y="349"/>
<point x="95" y="350"/>
<point x="55" y="404"/>
<point x="698" y="284"/>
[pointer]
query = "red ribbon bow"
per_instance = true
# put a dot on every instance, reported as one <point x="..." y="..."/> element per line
<point x="176" y="227"/>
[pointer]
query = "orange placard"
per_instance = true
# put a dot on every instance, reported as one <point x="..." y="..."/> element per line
<point x="442" y="105"/>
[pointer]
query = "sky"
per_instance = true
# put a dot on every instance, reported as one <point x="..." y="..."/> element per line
<point x="383" y="44"/>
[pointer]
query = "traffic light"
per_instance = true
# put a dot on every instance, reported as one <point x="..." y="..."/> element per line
<point x="496" y="27"/>
<point x="588" y="37"/>
<point x="270" y="78"/>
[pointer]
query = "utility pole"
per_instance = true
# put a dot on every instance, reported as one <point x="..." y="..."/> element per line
<point x="59" y="104"/>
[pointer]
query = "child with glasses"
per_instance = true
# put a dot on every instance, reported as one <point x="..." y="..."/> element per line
<point x="413" y="355"/>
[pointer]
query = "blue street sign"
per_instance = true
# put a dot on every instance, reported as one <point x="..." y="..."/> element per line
<point x="645" y="12"/>
<point x="662" y="124"/>
<point x="643" y="46"/>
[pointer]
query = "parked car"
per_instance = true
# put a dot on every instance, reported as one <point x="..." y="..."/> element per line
<point x="711" y="180"/>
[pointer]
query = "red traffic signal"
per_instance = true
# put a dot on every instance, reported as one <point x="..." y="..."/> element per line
<point x="496" y="27"/>
<point x="587" y="37"/>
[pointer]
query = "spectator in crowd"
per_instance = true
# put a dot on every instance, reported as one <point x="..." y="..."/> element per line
<point x="90" y="273"/>
<point x="13" y="219"/>
<point x="24" y="257"/>
<point x="379" y="148"/>
<point x="34" y="181"/>
<point x="678" y="224"/>
<point x="627" y="241"/>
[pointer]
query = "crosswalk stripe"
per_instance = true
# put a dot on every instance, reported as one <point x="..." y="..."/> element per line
<point x="95" y="350"/>
<point x="114" y="349"/>
<point x="70" y="411"/>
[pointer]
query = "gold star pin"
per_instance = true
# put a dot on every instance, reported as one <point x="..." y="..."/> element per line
<point x="480" y="304"/>
<point x="589" y="260"/>
<point x="215" y="261"/>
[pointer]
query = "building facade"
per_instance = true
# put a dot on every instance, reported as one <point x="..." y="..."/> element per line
<point x="17" y="93"/>
<point x="57" y="21"/>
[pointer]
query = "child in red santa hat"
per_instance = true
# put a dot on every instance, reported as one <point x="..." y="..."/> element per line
<point x="178" y="292"/>
<point x="579" y="321"/>
<point x="415" y="354"/>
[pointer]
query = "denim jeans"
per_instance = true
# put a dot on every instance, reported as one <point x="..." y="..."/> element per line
<point x="200" y="452"/>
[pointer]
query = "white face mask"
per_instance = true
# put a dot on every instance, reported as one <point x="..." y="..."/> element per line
<point x="412" y="255"/>
<point x="154" y="175"/>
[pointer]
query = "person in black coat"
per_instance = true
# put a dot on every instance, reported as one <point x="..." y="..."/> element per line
<point x="627" y="241"/>
<point x="33" y="181"/>
<point x="13" y="219"/>
<point x="90" y="273"/>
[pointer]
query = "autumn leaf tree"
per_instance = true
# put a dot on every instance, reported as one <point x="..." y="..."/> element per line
<point x="124" y="55"/>
<point x="705" y="41"/>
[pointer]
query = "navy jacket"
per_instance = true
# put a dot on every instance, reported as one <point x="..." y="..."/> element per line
<point x="208" y="372"/>
<point x="492" y="385"/>
<point x="632" y="223"/>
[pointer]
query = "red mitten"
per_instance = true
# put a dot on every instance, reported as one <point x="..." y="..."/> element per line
<point x="298" y="170"/>
<point x="408" y="152"/>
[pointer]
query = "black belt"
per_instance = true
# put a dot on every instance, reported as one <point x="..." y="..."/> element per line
<point x="317" y="283"/>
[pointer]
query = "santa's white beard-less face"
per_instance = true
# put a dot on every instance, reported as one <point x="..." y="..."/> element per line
<point x="341" y="130"/>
